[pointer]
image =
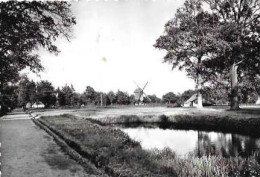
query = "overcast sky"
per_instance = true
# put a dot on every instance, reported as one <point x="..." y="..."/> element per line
<point x="112" y="46"/>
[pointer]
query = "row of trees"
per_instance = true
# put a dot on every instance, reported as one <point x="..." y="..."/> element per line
<point x="217" y="42"/>
<point x="30" y="92"/>
<point x="27" y="91"/>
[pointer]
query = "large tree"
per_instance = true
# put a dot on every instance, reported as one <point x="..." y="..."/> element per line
<point x="122" y="98"/>
<point x="221" y="35"/>
<point x="25" y="26"/>
<point x="46" y="93"/>
<point x="240" y="27"/>
<point x="111" y="97"/>
<point x="26" y="91"/>
<point x="89" y="95"/>
<point x="66" y="95"/>
<point x="169" y="98"/>
<point x="189" y="39"/>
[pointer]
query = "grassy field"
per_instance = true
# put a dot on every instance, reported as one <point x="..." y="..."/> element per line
<point x="154" y="112"/>
<point x="112" y="150"/>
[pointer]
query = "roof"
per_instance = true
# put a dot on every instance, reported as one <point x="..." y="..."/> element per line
<point x="138" y="90"/>
<point x="192" y="98"/>
<point x="38" y="103"/>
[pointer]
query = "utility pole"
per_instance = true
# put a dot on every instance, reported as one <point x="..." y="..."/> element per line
<point x="101" y="100"/>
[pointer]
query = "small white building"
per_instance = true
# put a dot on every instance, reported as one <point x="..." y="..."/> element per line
<point x="191" y="102"/>
<point x="38" y="105"/>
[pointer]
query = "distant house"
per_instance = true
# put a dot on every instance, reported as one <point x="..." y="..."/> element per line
<point x="193" y="101"/>
<point x="38" y="105"/>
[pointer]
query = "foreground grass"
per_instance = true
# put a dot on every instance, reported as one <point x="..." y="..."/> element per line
<point x="207" y="166"/>
<point x="113" y="151"/>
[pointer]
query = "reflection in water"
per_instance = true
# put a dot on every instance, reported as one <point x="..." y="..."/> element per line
<point x="194" y="142"/>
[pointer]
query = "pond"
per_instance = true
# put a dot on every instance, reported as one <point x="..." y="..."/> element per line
<point x="185" y="142"/>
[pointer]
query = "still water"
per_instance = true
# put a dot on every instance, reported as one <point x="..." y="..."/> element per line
<point x="198" y="143"/>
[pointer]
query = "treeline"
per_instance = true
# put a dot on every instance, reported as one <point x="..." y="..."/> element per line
<point x="29" y="92"/>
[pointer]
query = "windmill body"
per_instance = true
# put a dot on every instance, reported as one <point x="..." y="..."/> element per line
<point x="139" y="94"/>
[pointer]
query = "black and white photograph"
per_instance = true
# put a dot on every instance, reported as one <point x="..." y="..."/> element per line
<point x="130" y="88"/>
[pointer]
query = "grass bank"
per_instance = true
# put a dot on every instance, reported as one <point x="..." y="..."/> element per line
<point x="113" y="151"/>
<point x="108" y="148"/>
<point x="225" y="124"/>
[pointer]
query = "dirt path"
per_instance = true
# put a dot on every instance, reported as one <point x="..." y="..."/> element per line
<point x="28" y="151"/>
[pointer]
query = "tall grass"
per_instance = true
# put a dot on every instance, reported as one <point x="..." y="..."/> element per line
<point x="209" y="166"/>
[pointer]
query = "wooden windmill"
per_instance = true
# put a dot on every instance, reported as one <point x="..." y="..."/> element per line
<point x="139" y="94"/>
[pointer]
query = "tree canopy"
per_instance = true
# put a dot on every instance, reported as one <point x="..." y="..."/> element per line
<point x="89" y="95"/>
<point x="169" y="97"/>
<point x="26" y="26"/>
<point x="111" y="97"/>
<point x="209" y="38"/>
<point x="26" y="91"/>
<point x="66" y="95"/>
<point x="189" y="39"/>
<point x="239" y="21"/>
<point x="46" y="93"/>
<point x="122" y="97"/>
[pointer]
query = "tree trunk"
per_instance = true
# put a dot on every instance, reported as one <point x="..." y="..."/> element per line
<point x="199" y="86"/>
<point x="234" y="88"/>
